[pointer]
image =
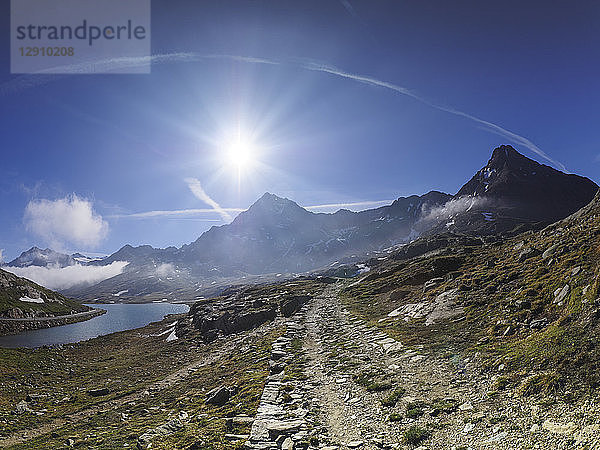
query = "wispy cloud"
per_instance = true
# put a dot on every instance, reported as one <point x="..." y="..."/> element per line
<point x="194" y="212"/>
<point x="66" y="220"/>
<point x="66" y="277"/>
<point x="196" y="188"/>
<point x="346" y="4"/>
<point x="492" y="127"/>
<point x="175" y="213"/>
<point x="1" y="256"/>
<point x="115" y="64"/>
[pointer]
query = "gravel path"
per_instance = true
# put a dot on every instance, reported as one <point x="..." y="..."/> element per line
<point x="447" y="397"/>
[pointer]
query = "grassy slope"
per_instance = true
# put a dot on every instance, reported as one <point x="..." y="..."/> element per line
<point x="12" y="288"/>
<point x="502" y="293"/>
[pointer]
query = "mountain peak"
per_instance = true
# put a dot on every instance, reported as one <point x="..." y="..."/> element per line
<point x="272" y="203"/>
<point x="529" y="190"/>
<point x="267" y="197"/>
<point x="41" y="257"/>
<point x="506" y="155"/>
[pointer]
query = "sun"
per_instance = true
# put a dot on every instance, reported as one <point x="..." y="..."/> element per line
<point x="240" y="153"/>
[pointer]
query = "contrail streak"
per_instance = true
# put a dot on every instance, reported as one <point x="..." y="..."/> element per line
<point x="196" y="188"/>
<point x="28" y="81"/>
<point x="183" y="213"/>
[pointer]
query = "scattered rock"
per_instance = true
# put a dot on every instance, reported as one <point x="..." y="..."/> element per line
<point x="558" y="428"/>
<point x="529" y="252"/>
<point x="432" y="283"/>
<point x="561" y="294"/>
<point x="549" y="251"/>
<point x="538" y="323"/>
<point x="218" y="396"/>
<point x="468" y="428"/>
<point x="287" y="444"/>
<point x="22" y="408"/>
<point x="466" y="406"/>
<point x="98" y="392"/>
<point x="173" y="425"/>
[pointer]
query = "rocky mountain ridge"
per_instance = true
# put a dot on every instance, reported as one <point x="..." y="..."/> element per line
<point x="49" y="258"/>
<point x="276" y="237"/>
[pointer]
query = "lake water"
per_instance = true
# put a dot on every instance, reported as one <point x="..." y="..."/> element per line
<point x="118" y="317"/>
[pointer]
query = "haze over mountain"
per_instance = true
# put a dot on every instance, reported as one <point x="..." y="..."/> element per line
<point x="276" y="236"/>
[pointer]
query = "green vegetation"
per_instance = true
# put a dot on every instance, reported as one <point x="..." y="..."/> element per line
<point x="133" y="366"/>
<point x="414" y="410"/>
<point x="511" y="315"/>
<point x="14" y="288"/>
<point x="443" y="405"/>
<point x="395" y="417"/>
<point x="542" y="383"/>
<point x="415" y="435"/>
<point x="393" y="397"/>
<point x="372" y="381"/>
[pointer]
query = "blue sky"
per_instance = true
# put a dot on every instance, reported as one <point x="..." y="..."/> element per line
<point x="110" y="149"/>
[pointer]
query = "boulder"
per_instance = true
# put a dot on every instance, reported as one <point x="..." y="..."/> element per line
<point x="559" y="428"/>
<point x="98" y="392"/>
<point x="432" y="283"/>
<point x="529" y="252"/>
<point x="218" y="396"/>
<point x="538" y="323"/>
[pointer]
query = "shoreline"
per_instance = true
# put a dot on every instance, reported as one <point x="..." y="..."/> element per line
<point x="10" y="326"/>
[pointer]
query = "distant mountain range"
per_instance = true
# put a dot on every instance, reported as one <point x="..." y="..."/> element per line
<point x="277" y="237"/>
<point x="47" y="257"/>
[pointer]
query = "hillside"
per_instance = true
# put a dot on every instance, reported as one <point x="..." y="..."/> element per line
<point x="25" y="305"/>
<point x="21" y="298"/>
<point x="526" y="303"/>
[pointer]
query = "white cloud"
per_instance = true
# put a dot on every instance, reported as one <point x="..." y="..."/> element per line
<point x="66" y="220"/>
<point x="66" y="277"/>
<point x="196" y="188"/>
<point x="165" y="270"/>
<point x="452" y="208"/>
<point x="1" y="256"/>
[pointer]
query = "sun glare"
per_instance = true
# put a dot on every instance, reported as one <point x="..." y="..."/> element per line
<point x="240" y="153"/>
